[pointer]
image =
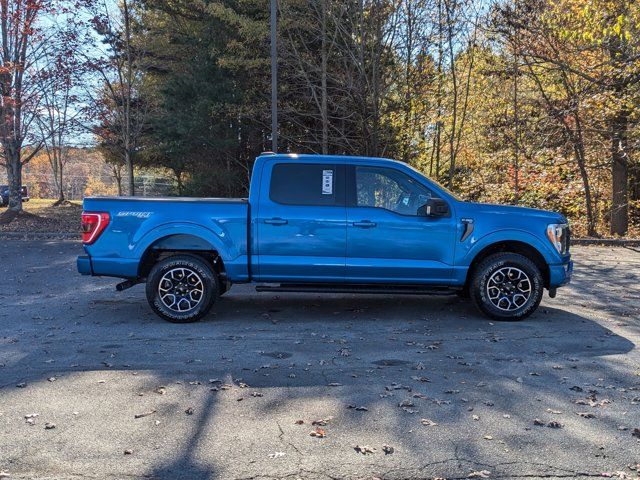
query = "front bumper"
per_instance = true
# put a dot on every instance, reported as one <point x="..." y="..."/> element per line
<point x="560" y="274"/>
<point x="84" y="265"/>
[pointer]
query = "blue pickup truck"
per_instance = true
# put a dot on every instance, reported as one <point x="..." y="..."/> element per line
<point x="318" y="223"/>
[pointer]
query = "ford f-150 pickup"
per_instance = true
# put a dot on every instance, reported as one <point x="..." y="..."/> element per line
<point x="319" y="223"/>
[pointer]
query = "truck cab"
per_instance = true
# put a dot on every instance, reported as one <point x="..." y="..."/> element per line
<point x="330" y="224"/>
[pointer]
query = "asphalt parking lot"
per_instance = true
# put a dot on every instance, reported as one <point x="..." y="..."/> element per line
<point x="390" y="387"/>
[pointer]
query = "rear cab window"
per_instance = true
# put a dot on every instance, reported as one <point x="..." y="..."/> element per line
<point x="307" y="184"/>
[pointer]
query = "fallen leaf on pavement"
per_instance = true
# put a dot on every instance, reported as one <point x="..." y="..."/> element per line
<point x="479" y="474"/>
<point x="31" y="418"/>
<point x="554" y="424"/>
<point x="145" y="414"/>
<point x="586" y="414"/>
<point x="128" y="451"/>
<point x="427" y="422"/>
<point x="189" y="411"/>
<point x="318" y="432"/>
<point x="388" y="450"/>
<point x="359" y="409"/>
<point x="364" y="449"/>
<point x="49" y="426"/>
<point x="322" y="422"/>
<point x="636" y="432"/>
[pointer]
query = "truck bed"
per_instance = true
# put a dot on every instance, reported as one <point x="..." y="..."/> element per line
<point x="139" y="224"/>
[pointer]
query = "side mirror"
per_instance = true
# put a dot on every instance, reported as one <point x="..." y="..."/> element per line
<point x="435" y="207"/>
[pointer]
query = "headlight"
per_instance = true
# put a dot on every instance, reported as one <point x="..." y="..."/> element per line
<point x="558" y="235"/>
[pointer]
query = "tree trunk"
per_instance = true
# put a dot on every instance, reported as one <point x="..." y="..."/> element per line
<point x="119" y="183"/>
<point x="578" y="147"/>
<point x="14" y="177"/>
<point x="619" y="175"/>
<point x="178" y="174"/>
<point x="634" y="180"/>
<point x="323" y="81"/>
<point x="516" y="135"/>
<point x="128" y="161"/>
<point x="454" y="94"/>
<point x="60" y="183"/>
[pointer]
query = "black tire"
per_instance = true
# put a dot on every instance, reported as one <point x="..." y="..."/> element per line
<point x="508" y="306"/>
<point x="192" y="269"/>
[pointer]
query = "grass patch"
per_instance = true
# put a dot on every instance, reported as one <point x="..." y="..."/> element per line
<point x="40" y="215"/>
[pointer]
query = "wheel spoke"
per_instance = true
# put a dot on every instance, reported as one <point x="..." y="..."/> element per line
<point x="181" y="289"/>
<point x="509" y="288"/>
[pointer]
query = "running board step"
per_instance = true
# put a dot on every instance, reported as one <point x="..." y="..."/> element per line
<point x="342" y="288"/>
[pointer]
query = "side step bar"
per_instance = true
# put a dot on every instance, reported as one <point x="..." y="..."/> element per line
<point x="356" y="288"/>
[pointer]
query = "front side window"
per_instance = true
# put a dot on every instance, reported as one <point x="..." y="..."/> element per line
<point x="307" y="184"/>
<point x="389" y="189"/>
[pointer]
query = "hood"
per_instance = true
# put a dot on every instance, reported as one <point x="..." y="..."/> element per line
<point x="488" y="208"/>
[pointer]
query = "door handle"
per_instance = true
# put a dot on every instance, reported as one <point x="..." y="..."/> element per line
<point x="364" y="224"/>
<point x="276" y="221"/>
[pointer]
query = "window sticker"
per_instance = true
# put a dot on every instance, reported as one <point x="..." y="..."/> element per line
<point x="327" y="182"/>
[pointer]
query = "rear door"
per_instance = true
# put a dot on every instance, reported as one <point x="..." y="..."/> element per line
<point x="301" y="222"/>
<point x="387" y="239"/>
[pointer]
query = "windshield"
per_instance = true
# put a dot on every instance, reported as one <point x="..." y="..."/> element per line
<point x="455" y="196"/>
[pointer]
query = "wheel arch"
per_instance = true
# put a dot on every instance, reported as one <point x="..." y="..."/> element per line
<point x="510" y="246"/>
<point x="181" y="243"/>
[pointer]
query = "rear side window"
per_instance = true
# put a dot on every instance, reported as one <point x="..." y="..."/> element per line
<point x="307" y="184"/>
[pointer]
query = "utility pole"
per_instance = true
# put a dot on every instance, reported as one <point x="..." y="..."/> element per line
<point x="274" y="78"/>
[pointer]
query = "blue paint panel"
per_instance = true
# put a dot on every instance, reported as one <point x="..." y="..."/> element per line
<point x="300" y="242"/>
<point x="138" y="224"/>
<point x="84" y="265"/>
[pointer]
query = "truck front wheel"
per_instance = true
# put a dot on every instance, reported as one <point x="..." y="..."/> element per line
<point x="507" y="286"/>
<point x="182" y="288"/>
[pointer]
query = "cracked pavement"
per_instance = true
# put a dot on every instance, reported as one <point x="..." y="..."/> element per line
<point x="368" y="370"/>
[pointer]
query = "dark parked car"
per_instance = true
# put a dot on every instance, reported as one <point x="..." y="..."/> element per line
<point x="4" y="195"/>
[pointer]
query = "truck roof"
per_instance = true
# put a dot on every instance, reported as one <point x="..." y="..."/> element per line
<point x="332" y="158"/>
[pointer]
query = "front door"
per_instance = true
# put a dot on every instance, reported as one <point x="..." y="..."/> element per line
<point x="301" y="222"/>
<point x="388" y="241"/>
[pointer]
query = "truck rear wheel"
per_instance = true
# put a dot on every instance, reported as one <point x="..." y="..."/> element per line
<point x="507" y="286"/>
<point x="182" y="288"/>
